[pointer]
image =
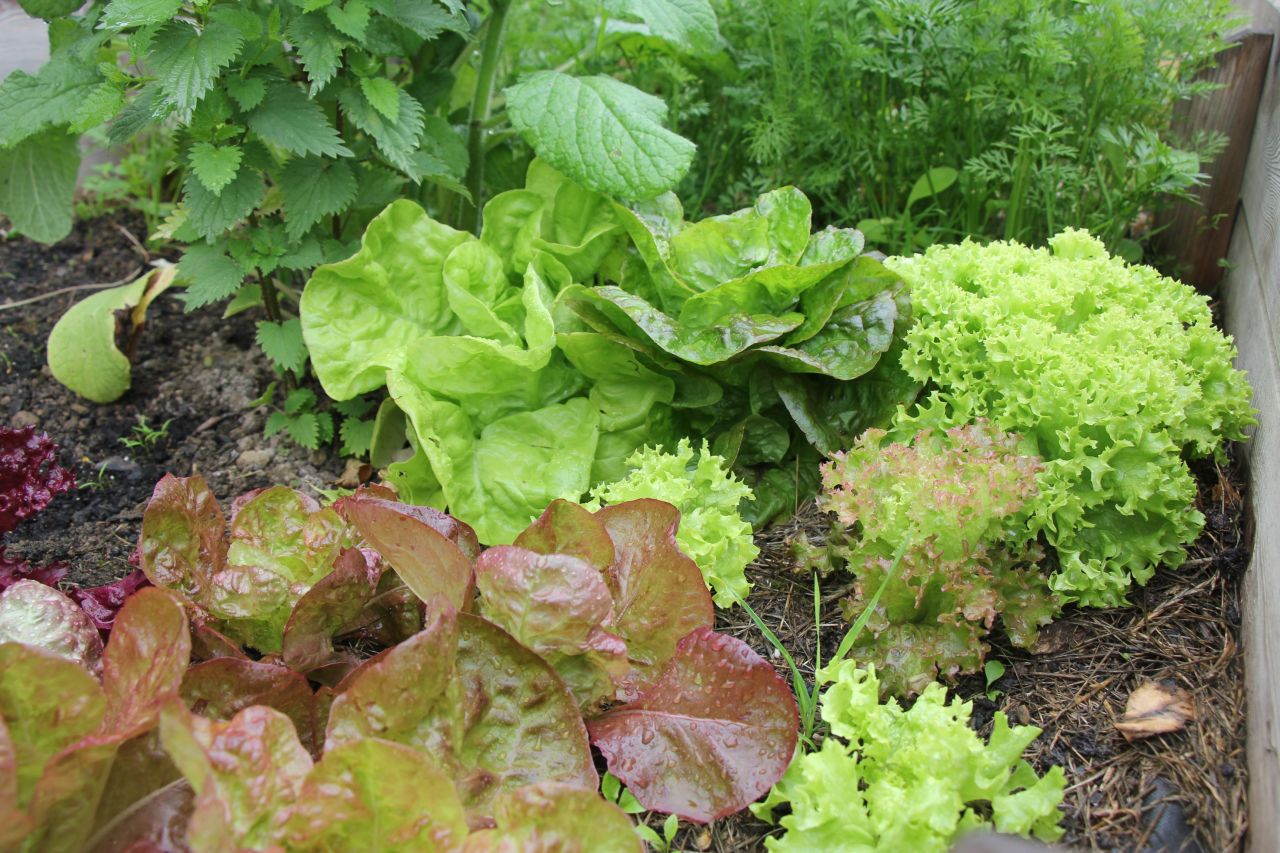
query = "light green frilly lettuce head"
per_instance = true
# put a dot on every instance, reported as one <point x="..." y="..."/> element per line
<point x="890" y="779"/>
<point x="711" y="530"/>
<point x="1111" y="373"/>
<point x="503" y="414"/>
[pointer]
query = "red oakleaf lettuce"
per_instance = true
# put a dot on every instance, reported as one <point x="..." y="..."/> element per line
<point x="29" y="476"/>
<point x="720" y="714"/>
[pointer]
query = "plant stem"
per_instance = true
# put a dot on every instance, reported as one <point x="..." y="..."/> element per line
<point x="270" y="301"/>
<point x="481" y="105"/>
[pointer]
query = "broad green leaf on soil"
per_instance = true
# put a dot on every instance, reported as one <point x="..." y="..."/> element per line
<point x="555" y="817"/>
<point x="424" y="557"/>
<point x="37" y="182"/>
<point x="223" y="687"/>
<point x="491" y="713"/>
<point x="246" y="773"/>
<point x="82" y="349"/>
<point x="313" y="188"/>
<point x="377" y="795"/>
<point x="291" y="120"/>
<point x="578" y="226"/>
<point x="359" y="316"/>
<point x="658" y="592"/>
<point x="47" y="703"/>
<point x="215" y="165"/>
<point x="688" y="25"/>
<point x="121" y="14"/>
<point x="187" y="63"/>
<point x="616" y="143"/>
<point x="211" y="275"/>
<point x="718" y="712"/>
<point x="41" y="616"/>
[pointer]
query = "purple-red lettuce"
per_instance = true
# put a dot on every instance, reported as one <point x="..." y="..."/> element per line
<point x="30" y="476"/>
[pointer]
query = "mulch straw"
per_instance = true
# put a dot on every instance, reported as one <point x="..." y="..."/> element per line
<point x="1162" y="793"/>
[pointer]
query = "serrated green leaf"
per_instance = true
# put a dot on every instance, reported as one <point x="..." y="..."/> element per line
<point x="614" y="144"/>
<point x="215" y="165"/>
<point x="187" y="64"/>
<point x="298" y="400"/>
<point x="426" y="20"/>
<point x="29" y="104"/>
<point x="282" y="342"/>
<point x="324" y="427"/>
<point x="211" y="275"/>
<point x="291" y="120"/>
<point x="306" y="254"/>
<point x="351" y="18"/>
<point x="356" y="407"/>
<point x="247" y="92"/>
<point x="688" y="25"/>
<point x="98" y="105"/>
<point x="249" y="296"/>
<point x="37" y="182"/>
<point x="276" y="422"/>
<point x="313" y="188"/>
<point x="209" y="215"/>
<point x="304" y="430"/>
<point x="137" y="114"/>
<point x="319" y="48"/>
<point x="356" y="436"/>
<point x="49" y="8"/>
<point x="383" y="96"/>
<point x="397" y="140"/>
<point x="120" y="14"/>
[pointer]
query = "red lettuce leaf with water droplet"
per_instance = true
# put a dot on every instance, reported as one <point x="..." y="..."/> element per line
<point x="555" y="817"/>
<point x="221" y="688"/>
<point x="335" y="601"/>
<point x="713" y="733"/>
<point x="37" y="615"/>
<point x="424" y="548"/>
<point x="567" y="528"/>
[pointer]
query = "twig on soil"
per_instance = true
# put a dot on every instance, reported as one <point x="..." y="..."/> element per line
<point x="101" y="285"/>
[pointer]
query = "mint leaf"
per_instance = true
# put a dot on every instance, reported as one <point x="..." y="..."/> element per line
<point x="397" y="140"/>
<point x="28" y="104"/>
<point x="37" y="181"/>
<point x="211" y="274"/>
<point x="247" y="92"/>
<point x="120" y="14"/>
<point x="187" y="63"/>
<point x="383" y="96"/>
<point x="615" y="142"/>
<point x="215" y="165"/>
<point x="211" y="214"/>
<point x="319" y="48"/>
<point x="291" y="120"/>
<point x="351" y="18"/>
<point x="426" y="20"/>
<point x="282" y="342"/>
<point x="314" y="188"/>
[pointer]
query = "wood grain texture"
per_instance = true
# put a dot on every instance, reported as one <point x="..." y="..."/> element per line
<point x="1199" y="235"/>
<point x="1251" y="297"/>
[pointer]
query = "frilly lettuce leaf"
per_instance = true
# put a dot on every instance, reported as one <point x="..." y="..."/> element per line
<point x="1111" y="372"/>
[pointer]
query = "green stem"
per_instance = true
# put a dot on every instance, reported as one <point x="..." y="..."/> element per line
<point x="481" y="105"/>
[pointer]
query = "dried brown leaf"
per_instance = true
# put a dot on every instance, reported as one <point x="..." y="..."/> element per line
<point x="1156" y="707"/>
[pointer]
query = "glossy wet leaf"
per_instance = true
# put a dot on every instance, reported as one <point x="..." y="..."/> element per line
<point x="183" y="536"/>
<point x="555" y="817"/>
<point x="567" y="528"/>
<point x="221" y="688"/>
<point x="336" y="600"/>
<point x="720" y="714"/>
<point x="145" y="660"/>
<point x="38" y="615"/>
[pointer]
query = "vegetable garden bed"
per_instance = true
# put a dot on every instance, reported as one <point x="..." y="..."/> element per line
<point x="199" y="374"/>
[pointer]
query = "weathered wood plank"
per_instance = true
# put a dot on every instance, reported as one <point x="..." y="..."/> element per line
<point x="1260" y="194"/>
<point x="1199" y="235"/>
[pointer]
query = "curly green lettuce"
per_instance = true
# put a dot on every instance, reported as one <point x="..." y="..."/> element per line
<point x="1112" y="374"/>
<point x="953" y="503"/>
<point x="711" y="530"/>
<point x="889" y="779"/>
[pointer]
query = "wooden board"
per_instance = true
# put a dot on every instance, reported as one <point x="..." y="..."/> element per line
<point x="1199" y="235"/>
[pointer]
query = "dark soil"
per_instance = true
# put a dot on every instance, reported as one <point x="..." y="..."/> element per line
<point x="194" y="371"/>
<point x="198" y="373"/>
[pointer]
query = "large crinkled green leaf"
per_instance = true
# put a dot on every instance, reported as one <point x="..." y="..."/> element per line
<point x="578" y="226"/>
<point x="720" y="713"/>
<point x="555" y="817"/>
<point x="377" y="795"/>
<point x="700" y="345"/>
<point x="848" y="345"/>
<point x="360" y="316"/>
<point x="688" y="25"/>
<point x="52" y="96"/>
<point x="615" y="144"/>
<point x="491" y="713"/>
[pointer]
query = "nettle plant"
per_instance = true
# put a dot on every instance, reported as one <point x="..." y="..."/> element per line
<point x="471" y="729"/>
<point x="297" y="121"/>
<point x="936" y="532"/>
